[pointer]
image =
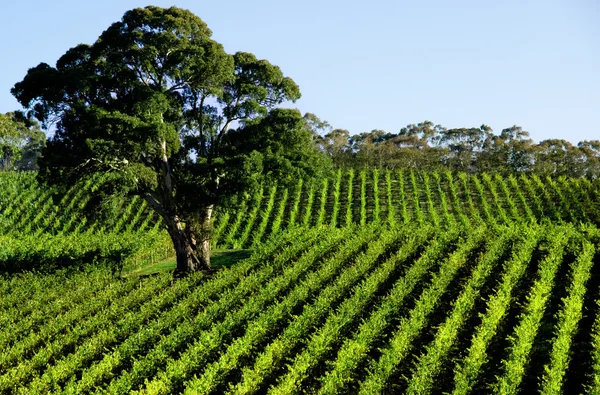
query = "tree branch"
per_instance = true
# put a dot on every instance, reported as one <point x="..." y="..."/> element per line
<point x="156" y="205"/>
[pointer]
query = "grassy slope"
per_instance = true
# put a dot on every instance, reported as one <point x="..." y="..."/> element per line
<point x="219" y="258"/>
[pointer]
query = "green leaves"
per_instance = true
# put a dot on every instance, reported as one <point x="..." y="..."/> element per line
<point x="20" y="142"/>
<point x="165" y="49"/>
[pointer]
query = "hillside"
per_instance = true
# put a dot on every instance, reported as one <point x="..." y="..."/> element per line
<point x="355" y="310"/>
<point x="40" y="226"/>
<point x="368" y="282"/>
<point x="351" y="197"/>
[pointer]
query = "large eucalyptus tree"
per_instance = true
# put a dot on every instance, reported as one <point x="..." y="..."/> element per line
<point x="162" y="107"/>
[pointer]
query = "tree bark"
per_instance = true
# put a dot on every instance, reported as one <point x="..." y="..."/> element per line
<point x="189" y="259"/>
<point x="206" y="235"/>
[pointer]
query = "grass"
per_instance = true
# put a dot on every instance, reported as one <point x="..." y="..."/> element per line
<point x="218" y="258"/>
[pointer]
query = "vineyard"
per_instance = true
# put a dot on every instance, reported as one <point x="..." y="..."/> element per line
<point x="367" y="282"/>
<point x="350" y="197"/>
<point x="353" y="310"/>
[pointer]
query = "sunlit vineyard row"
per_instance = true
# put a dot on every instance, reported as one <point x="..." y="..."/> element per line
<point x="350" y="197"/>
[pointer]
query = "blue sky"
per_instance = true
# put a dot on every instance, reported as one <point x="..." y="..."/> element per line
<point x="377" y="64"/>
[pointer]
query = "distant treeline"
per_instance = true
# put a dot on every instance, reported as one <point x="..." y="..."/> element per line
<point x="430" y="147"/>
<point x="423" y="146"/>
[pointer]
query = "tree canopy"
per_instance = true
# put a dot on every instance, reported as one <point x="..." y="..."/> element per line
<point x="21" y="142"/>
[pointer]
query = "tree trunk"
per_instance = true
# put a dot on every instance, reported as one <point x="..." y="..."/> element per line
<point x="206" y="235"/>
<point x="189" y="259"/>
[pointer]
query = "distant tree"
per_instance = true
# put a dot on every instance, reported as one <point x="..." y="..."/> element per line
<point x="422" y="135"/>
<point x="315" y="125"/>
<point x="162" y="108"/>
<point x="590" y="150"/>
<point x="516" y="149"/>
<point x="368" y="147"/>
<point x="464" y="146"/>
<point x="328" y="141"/>
<point x="418" y="147"/>
<point x="556" y="157"/>
<point x="336" y="144"/>
<point x="510" y="152"/>
<point x="21" y="142"/>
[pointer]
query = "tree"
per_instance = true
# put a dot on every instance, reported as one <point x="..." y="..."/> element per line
<point x="21" y="142"/>
<point x="315" y="124"/>
<point x="164" y="109"/>
<point x="421" y="135"/>
<point x="336" y="144"/>
<point x="333" y="143"/>
<point x="367" y="147"/>
<point x="417" y="146"/>
<point x="465" y="144"/>
<point x="514" y="149"/>
<point x="591" y="151"/>
<point x="558" y="157"/>
<point x="286" y="144"/>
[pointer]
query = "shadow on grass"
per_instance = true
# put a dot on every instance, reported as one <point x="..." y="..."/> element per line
<point x="219" y="258"/>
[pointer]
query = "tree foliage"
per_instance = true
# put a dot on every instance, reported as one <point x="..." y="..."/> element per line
<point x="21" y="142"/>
